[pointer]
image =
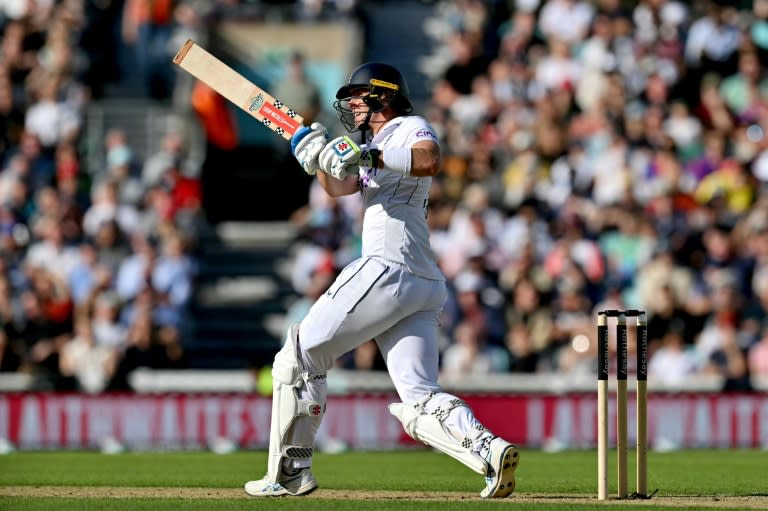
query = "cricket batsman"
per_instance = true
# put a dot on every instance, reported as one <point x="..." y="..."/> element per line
<point x="394" y="293"/>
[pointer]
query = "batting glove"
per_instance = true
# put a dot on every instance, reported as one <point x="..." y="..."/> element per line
<point x="341" y="157"/>
<point x="306" y="145"/>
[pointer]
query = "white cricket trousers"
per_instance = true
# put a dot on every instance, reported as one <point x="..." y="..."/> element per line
<point x="377" y="299"/>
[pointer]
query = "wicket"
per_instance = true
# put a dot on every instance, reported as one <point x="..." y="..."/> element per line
<point x="641" y="398"/>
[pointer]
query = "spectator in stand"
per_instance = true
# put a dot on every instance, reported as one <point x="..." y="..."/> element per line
<point x="474" y="228"/>
<point x="732" y="185"/>
<point x="572" y="316"/>
<point x="568" y="20"/>
<point x="470" y="356"/>
<point x="14" y="173"/>
<point x="109" y="241"/>
<point x="724" y="317"/>
<point x="38" y="340"/>
<point x="121" y="173"/>
<point x="148" y="346"/>
<point x="49" y="251"/>
<point x="529" y="317"/>
<point x="186" y="197"/>
<point x="683" y="128"/>
<point x="135" y="271"/>
<point x="10" y="353"/>
<point x="523" y="356"/>
<point x="147" y="29"/>
<point x="156" y="215"/>
<point x="712" y="43"/>
<point x="673" y="362"/>
<point x="744" y="91"/>
<point x="716" y="118"/>
<point x="140" y="350"/>
<point x="42" y="167"/>
<point x="171" y="279"/>
<point x="722" y="267"/>
<point x="50" y="120"/>
<point x="297" y="89"/>
<point x="70" y="190"/>
<point x="557" y="69"/>
<point x="87" y="275"/>
<point x="729" y="360"/>
<point x="172" y="154"/>
<point x="47" y="205"/>
<point x="757" y="361"/>
<point x="105" y="320"/>
<point x="107" y="207"/>
<point x="628" y="245"/>
<point x="755" y="310"/>
<point x="574" y="258"/>
<point x="468" y="62"/>
<point x="88" y="364"/>
<point x="55" y="300"/>
<point x="9" y="360"/>
<point x="667" y="309"/>
<point x="9" y="114"/>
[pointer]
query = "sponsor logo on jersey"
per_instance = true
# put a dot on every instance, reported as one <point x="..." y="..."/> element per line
<point x="425" y="133"/>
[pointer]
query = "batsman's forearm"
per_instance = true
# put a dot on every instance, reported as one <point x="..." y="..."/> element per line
<point x="337" y="187"/>
<point x="425" y="161"/>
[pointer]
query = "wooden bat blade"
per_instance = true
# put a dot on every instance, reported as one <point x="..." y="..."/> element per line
<point x="251" y="98"/>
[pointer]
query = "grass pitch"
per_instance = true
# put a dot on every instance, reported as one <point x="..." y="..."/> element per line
<point x="402" y="480"/>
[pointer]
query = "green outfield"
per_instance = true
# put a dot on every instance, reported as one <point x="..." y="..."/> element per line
<point x="76" y="481"/>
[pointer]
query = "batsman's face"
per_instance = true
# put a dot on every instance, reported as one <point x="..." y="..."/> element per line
<point x="358" y="107"/>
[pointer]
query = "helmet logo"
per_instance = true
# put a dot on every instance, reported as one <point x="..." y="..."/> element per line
<point x="382" y="83"/>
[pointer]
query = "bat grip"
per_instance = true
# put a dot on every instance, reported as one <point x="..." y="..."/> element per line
<point x="302" y="132"/>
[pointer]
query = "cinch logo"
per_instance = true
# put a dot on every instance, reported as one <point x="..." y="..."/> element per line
<point x="425" y="133"/>
<point x="255" y="103"/>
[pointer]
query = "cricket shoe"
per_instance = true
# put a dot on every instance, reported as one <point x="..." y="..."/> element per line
<point x="296" y="485"/>
<point x="503" y="459"/>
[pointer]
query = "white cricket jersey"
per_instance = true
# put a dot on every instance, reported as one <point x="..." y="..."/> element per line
<point x="395" y="225"/>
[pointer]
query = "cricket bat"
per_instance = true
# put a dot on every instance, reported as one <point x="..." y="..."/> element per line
<point x="207" y="68"/>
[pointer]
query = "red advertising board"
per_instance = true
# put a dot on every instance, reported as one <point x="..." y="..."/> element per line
<point x="69" y="421"/>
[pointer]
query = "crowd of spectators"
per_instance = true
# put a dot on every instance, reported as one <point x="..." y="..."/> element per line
<point x="602" y="154"/>
<point x="96" y="268"/>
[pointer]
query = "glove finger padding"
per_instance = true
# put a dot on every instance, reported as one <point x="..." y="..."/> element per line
<point x="307" y="144"/>
<point x="340" y="157"/>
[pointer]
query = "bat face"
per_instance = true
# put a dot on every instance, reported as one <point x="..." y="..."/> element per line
<point x="236" y="88"/>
